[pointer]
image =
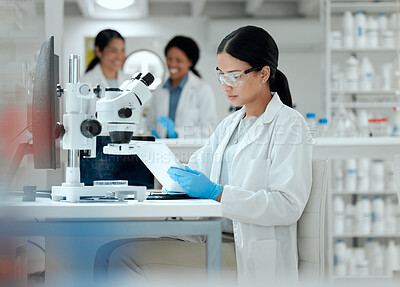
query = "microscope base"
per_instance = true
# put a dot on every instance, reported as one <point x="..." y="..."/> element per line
<point x="73" y="193"/>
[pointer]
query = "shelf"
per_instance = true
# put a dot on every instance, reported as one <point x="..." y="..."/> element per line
<point x="371" y="105"/>
<point x="356" y="142"/>
<point x="344" y="192"/>
<point x="369" y="93"/>
<point x="364" y="50"/>
<point x="368" y="7"/>
<point x="362" y="277"/>
<point x="353" y="235"/>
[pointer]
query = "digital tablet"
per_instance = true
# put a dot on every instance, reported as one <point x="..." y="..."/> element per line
<point x="158" y="158"/>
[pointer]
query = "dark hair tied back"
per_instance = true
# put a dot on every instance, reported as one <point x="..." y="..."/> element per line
<point x="189" y="47"/>
<point x="102" y="40"/>
<point x="256" y="47"/>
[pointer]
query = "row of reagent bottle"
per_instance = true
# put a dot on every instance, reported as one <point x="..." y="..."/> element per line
<point x="364" y="31"/>
<point x="376" y="216"/>
<point x="373" y="259"/>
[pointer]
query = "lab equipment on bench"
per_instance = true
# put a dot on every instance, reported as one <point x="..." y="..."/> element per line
<point x="117" y="112"/>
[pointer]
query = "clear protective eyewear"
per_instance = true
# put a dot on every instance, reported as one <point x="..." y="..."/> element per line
<point x="235" y="79"/>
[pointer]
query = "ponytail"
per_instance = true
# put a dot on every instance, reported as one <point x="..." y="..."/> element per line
<point x="194" y="70"/>
<point x="92" y="64"/>
<point x="280" y="84"/>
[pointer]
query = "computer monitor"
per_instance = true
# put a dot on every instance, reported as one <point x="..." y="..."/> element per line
<point x="115" y="167"/>
<point x="45" y="114"/>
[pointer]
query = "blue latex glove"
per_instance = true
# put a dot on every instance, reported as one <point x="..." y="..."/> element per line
<point x="168" y="123"/>
<point x="155" y="134"/>
<point x="195" y="183"/>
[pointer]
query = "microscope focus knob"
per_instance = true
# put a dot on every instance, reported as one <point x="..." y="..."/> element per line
<point x="125" y="113"/>
<point x="90" y="128"/>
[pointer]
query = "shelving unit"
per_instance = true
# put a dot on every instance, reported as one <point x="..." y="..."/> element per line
<point x="332" y="10"/>
<point x="344" y="148"/>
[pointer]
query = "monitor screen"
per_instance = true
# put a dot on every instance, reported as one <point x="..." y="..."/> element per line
<point x="114" y="167"/>
<point x="45" y="111"/>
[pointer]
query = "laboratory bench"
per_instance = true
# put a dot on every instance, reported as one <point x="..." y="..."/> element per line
<point x="75" y="231"/>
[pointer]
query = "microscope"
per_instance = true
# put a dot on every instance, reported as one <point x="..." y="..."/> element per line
<point x="117" y="113"/>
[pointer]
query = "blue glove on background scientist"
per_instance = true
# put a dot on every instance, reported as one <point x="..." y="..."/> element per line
<point x="169" y="125"/>
<point x="195" y="183"/>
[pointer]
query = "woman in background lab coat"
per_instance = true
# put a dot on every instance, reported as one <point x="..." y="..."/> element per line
<point x="257" y="164"/>
<point x="185" y="105"/>
<point x="105" y="68"/>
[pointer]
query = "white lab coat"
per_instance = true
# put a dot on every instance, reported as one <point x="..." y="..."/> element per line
<point x="96" y="77"/>
<point x="196" y="114"/>
<point x="270" y="186"/>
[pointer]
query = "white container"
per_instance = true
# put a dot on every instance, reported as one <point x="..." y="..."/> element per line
<point x="348" y="29"/>
<point x="351" y="83"/>
<point x="323" y="128"/>
<point x="390" y="183"/>
<point x="312" y="123"/>
<point x="362" y="268"/>
<point x="391" y="258"/>
<point x="372" y="32"/>
<point x="362" y="123"/>
<point x="383" y="22"/>
<point x="378" y="215"/>
<point x="387" y="76"/>
<point x="363" y="218"/>
<point x="363" y="174"/>
<point x="338" y="182"/>
<point x="349" y="218"/>
<point x="339" y="215"/>
<point x="340" y="258"/>
<point x="336" y="40"/>
<point x="387" y="39"/>
<point x="361" y="28"/>
<point x="350" y="184"/>
<point x="366" y="74"/>
<point x="377" y="175"/>
<point x="335" y="76"/>
<point x="396" y="122"/>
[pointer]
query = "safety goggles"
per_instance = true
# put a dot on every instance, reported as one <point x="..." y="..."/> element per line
<point x="234" y="79"/>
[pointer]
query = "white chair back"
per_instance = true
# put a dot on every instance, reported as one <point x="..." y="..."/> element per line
<point x="310" y="228"/>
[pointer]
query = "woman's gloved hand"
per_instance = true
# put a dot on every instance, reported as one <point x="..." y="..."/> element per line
<point x="168" y="123"/>
<point x="195" y="183"/>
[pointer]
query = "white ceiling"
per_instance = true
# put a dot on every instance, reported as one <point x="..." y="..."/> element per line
<point x="198" y="8"/>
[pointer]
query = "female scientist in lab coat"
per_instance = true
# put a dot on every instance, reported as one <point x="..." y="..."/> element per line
<point x="105" y="68"/>
<point x="258" y="161"/>
<point x="257" y="164"/>
<point x="184" y="106"/>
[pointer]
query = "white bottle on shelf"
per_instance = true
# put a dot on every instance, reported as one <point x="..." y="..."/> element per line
<point x="351" y="175"/>
<point x="349" y="218"/>
<point x="387" y="76"/>
<point x="339" y="215"/>
<point x="396" y="122"/>
<point x="383" y="25"/>
<point x="338" y="183"/>
<point x="377" y="175"/>
<point x="340" y="258"/>
<point x="363" y="174"/>
<point x="364" y="215"/>
<point x="335" y="76"/>
<point x="361" y="27"/>
<point x="351" y="74"/>
<point x="366" y="74"/>
<point x="323" y="128"/>
<point x="362" y="123"/>
<point x="348" y="30"/>
<point x="390" y="181"/>
<point x="391" y="258"/>
<point x="372" y="32"/>
<point x="378" y="215"/>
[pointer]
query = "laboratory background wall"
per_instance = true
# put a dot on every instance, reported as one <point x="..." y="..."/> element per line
<point x="299" y="41"/>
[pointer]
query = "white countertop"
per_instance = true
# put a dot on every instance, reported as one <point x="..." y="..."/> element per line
<point x="44" y="208"/>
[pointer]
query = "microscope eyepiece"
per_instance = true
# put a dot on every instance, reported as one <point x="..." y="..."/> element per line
<point x="147" y="79"/>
